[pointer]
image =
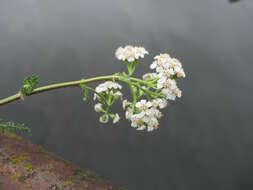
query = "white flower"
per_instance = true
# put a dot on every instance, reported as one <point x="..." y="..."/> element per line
<point x="150" y="112"/>
<point x="166" y="83"/>
<point x="116" y="118"/>
<point x="134" y="119"/>
<point x="143" y="127"/>
<point x="118" y="94"/>
<point x="153" y="65"/>
<point x="149" y="76"/>
<point x="145" y="118"/>
<point x="107" y="86"/>
<point x="165" y="73"/>
<point x="95" y="97"/>
<point x="177" y="92"/>
<point x="104" y="118"/>
<point x="143" y="104"/>
<point x="98" y="107"/>
<point x="140" y="115"/>
<point x="171" y="94"/>
<point x="153" y="112"/>
<point x="101" y="88"/>
<point x="160" y="61"/>
<point x="140" y="52"/>
<point x="128" y="114"/>
<point x="125" y="104"/>
<point x="112" y="85"/>
<point x="153" y="122"/>
<point x="147" y="115"/>
<point x="149" y="129"/>
<point x="158" y="114"/>
<point x="167" y="66"/>
<point x="162" y="56"/>
<point x="120" y="53"/>
<point x="181" y="73"/>
<point x="161" y="103"/>
<point x="130" y="53"/>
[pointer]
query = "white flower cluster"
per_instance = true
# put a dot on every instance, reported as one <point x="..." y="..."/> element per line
<point x="130" y="53"/>
<point x="159" y="87"/>
<point x="108" y="85"/>
<point x="107" y="93"/>
<point x="168" y="68"/>
<point x="147" y="114"/>
<point x="110" y="88"/>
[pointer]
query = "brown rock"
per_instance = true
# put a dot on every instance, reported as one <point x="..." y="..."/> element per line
<point x="24" y="166"/>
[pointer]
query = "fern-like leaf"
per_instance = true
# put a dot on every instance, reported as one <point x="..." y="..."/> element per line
<point x="11" y="126"/>
<point x="29" y="84"/>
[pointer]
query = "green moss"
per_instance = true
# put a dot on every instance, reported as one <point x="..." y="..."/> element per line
<point x="18" y="159"/>
<point x="21" y="160"/>
<point x="68" y="183"/>
<point x="15" y="176"/>
<point x="27" y="166"/>
<point x="86" y="175"/>
<point x="11" y="135"/>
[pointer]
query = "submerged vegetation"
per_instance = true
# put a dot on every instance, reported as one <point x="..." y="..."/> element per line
<point x="150" y="93"/>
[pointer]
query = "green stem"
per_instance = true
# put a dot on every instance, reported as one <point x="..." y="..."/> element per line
<point x="56" y="86"/>
<point x="76" y="83"/>
<point x="133" y="93"/>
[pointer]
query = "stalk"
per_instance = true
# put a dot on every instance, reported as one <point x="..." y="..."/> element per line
<point x="76" y="83"/>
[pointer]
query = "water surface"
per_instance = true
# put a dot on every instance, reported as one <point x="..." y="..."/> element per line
<point x="205" y="138"/>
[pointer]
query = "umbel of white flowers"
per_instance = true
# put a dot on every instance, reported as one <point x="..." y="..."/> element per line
<point x="149" y="95"/>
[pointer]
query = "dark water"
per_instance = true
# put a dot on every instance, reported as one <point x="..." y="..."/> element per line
<point x="205" y="140"/>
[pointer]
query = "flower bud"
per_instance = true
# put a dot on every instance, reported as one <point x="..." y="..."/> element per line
<point x="98" y="107"/>
<point x="104" y="118"/>
<point x="116" y="118"/>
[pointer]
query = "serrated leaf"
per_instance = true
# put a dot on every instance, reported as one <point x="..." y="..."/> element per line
<point x="11" y="126"/>
<point x="29" y="84"/>
<point x="85" y="91"/>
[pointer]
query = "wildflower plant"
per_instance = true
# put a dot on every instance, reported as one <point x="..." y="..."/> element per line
<point x="150" y="94"/>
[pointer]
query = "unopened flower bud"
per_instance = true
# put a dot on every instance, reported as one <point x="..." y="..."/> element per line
<point x="98" y="107"/>
<point x="104" y="118"/>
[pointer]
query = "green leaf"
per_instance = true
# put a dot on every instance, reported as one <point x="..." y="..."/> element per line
<point x="11" y="126"/>
<point x="85" y="91"/>
<point x="29" y="84"/>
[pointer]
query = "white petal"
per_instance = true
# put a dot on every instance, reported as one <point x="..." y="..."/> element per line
<point x="150" y="129"/>
<point x="148" y="104"/>
<point x="141" y="128"/>
<point x="153" y="65"/>
<point x="116" y="118"/>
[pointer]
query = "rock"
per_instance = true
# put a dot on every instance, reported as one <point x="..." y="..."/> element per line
<point x="24" y="166"/>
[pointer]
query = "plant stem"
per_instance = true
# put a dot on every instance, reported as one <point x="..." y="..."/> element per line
<point x="76" y="83"/>
<point x="56" y="86"/>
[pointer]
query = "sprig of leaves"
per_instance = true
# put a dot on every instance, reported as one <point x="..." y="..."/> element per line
<point x="85" y="91"/>
<point x="11" y="126"/>
<point x="29" y="84"/>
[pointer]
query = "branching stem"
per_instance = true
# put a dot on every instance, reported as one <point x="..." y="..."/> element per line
<point x="76" y="83"/>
